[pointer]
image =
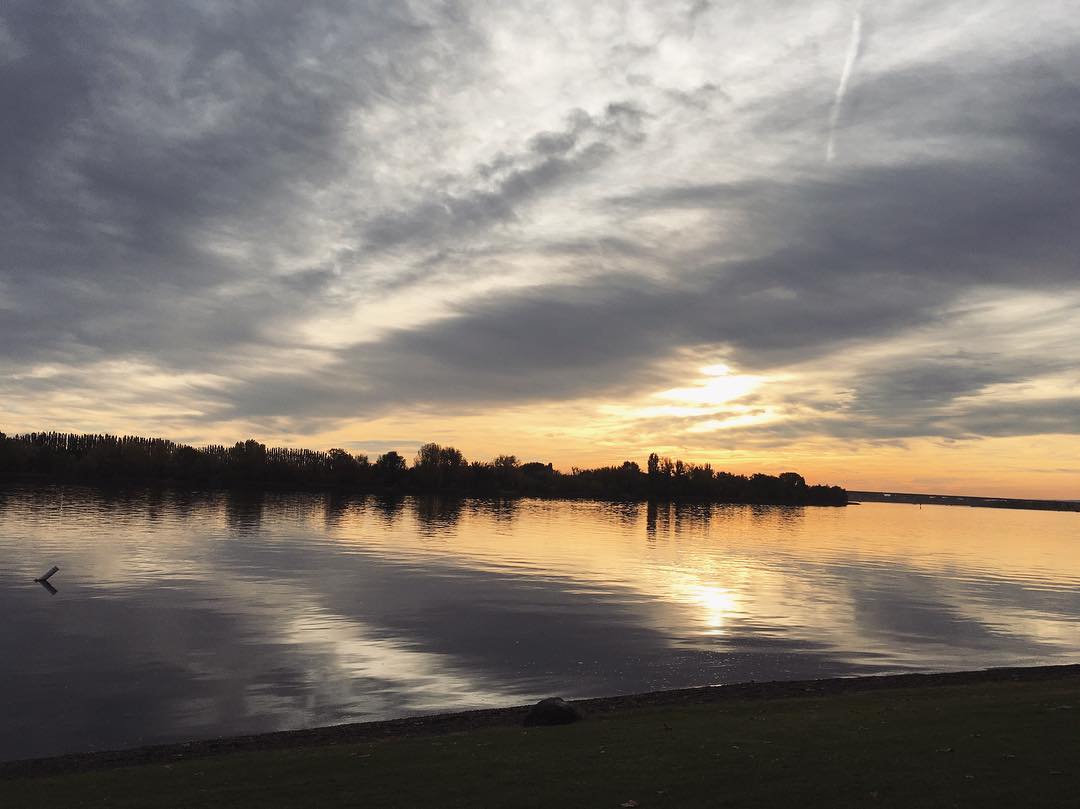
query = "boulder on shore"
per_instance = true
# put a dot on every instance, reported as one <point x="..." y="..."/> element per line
<point x="552" y="711"/>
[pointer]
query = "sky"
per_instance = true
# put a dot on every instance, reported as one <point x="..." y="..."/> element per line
<point x="835" y="237"/>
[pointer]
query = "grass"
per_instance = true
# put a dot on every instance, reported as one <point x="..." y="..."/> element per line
<point x="1011" y="744"/>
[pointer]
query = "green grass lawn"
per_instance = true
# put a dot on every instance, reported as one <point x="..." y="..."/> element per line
<point x="1010" y="744"/>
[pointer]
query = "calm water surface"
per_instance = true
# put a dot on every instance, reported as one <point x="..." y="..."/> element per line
<point x="180" y="616"/>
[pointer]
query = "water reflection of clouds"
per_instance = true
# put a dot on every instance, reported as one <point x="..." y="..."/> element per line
<point x="811" y="584"/>
<point x="207" y="655"/>
<point x="756" y="538"/>
<point x="280" y="609"/>
<point x="408" y="679"/>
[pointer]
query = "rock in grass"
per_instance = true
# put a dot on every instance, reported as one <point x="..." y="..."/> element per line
<point x="552" y="711"/>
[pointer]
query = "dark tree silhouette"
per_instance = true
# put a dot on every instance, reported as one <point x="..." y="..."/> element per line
<point x="103" y="459"/>
<point x="389" y="468"/>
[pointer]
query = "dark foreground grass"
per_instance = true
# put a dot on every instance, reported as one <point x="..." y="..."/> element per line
<point x="1010" y="744"/>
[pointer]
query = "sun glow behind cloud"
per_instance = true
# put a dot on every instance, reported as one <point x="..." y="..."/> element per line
<point x="580" y="236"/>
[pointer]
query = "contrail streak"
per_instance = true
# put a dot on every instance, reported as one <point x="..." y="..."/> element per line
<point x="845" y="77"/>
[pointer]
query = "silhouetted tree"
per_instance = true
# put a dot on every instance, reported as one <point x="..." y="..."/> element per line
<point x="389" y="468"/>
<point x="342" y="466"/>
<point x="654" y="465"/>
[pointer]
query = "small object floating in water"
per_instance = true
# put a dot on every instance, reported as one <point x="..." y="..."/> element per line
<point x="44" y="579"/>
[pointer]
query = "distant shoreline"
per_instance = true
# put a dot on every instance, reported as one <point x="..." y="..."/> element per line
<point x="910" y="498"/>
<point x="103" y="459"/>
<point x="123" y="484"/>
<point x="464" y="721"/>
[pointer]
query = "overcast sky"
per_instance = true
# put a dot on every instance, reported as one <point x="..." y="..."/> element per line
<point x="842" y="237"/>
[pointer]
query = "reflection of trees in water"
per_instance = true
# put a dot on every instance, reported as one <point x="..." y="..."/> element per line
<point x="790" y="516"/>
<point x="502" y="510"/>
<point x="335" y="506"/>
<point x="387" y="508"/>
<point x="625" y="513"/>
<point x="759" y="515"/>
<point x="114" y="500"/>
<point x="152" y="503"/>
<point x="435" y="513"/>
<point x="652" y="517"/>
<point x="668" y="519"/>
<point x="665" y="518"/>
<point x="777" y="516"/>
<point x="244" y="510"/>
<point x="157" y="505"/>
<point x="186" y="503"/>
<point x="692" y="517"/>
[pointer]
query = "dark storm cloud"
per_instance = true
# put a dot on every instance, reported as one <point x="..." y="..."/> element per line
<point x="968" y="221"/>
<point x="141" y="143"/>
<point x="1025" y="418"/>
<point x="575" y="340"/>
<point x="932" y="382"/>
<point x="178" y="191"/>
<point x="860" y="254"/>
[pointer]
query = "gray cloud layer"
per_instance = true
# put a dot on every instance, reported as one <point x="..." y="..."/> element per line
<point x="198" y="187"/>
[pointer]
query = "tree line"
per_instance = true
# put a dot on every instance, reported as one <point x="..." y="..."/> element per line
<point x="103" y="459"/>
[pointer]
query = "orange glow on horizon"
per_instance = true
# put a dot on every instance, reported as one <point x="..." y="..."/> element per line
<point x="735" y="422"/>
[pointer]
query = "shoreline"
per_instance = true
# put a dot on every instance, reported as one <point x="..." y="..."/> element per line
<point x="396" y="494"/>
<point x="462" y="721"/>
<point x="971" y="501"/>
